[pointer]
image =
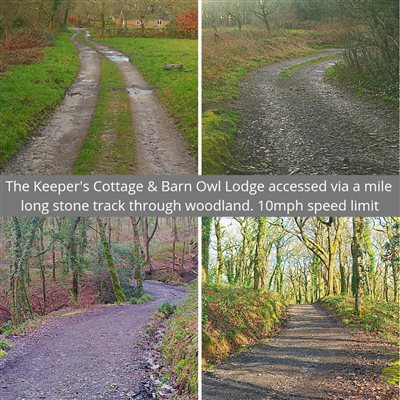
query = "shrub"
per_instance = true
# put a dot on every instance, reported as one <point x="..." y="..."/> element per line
<point x="167" y="309"/>
<point x="5" y="346"/>
<point x="145" y="298"/>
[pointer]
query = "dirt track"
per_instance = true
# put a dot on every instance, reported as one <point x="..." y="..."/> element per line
<point x="90" y="356"/>
<point x="305" y="125"/>
<point x="161" y="149"/>
<point x="313" y="358"/>
<point x="54" y="148"/>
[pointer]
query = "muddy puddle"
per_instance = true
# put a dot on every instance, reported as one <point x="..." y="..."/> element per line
<point x="139" y="91"/>
<point x="118" y="58"/>
<point x="115" y="56"/>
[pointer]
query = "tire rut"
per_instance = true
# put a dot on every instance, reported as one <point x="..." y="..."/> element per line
<point x="90" y="356"/>
<point x="53" y="150"/>
<point x="161" y="149"/>
<point x="305" y="125"/>
<point x="313" y="358"/>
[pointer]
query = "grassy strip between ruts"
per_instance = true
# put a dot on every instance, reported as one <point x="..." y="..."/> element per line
<point x="28" y="93"/>
<point x="180" y="343"/>
<point x="288" y="72"/>
<point x="236" y="317"/>
<point x="378" y="317"/>
<point x="177" y="89"/>
<point x="227" y="61"/>
<point x="109" y="146"/>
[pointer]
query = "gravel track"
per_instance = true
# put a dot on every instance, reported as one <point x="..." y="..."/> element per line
<point x="161" y="148"/>
<point x="54" y="148"/>
<point x="90" y="356"/>
<point x="305" y="125"/>
<point x="314" y="357"/>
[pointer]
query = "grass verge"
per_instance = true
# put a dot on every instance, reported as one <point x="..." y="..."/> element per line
<point x="109" y="146"/>
<point x="392" y="373"/>
<point x="227" y="61"/>
<point x="235" y="317"/>
<point x="8" y="329"/>
<point x="378" y="317"/>
<point x="177" y="89"/>
<point x="28" y="93"/>
<point x="342" y="74"/>
<point x="179" y="344"/>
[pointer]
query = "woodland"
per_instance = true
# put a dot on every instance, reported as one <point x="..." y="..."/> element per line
<point x="349" y="265"/>
<point x="50" y="263"/>
<point x="55" y="15"/>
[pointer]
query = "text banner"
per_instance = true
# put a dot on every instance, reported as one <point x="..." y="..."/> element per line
<point x="200" y="196"/>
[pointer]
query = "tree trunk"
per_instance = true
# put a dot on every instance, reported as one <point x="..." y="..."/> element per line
<point x="205" y="249"/>
<point x="118" y="292"/>
<point x="42" y="269"/>
<point x="218" y="235"/>
<point x="21" y="250"/>
<point x="53" y="254"/>
<point x="260" y="262"/>
<point x="138" y="274"/>
<point x="176" y="239"/>
<point x="342" y="267"/>
<point x="358" y="228"/>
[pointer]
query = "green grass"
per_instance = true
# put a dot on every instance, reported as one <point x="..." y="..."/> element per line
<point x="379" y="317"/>
<point x="28" y="93"/>
<point x="235" y="317"/>
<point x="177" y="89"/>
<point x="109" y="146"/>
<point x="392" y="373"/>
<point x="288" y="73"/>
<point x="179" y="344"/>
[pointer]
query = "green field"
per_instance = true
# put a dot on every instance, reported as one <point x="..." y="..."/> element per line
<point x="177" y="89"/>
<point x="29" y="92"/>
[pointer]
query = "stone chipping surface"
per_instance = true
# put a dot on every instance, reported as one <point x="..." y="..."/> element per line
<point x="90" y="356"/>
<point x="306" y="125"/>
<point x="314" y="357"/>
